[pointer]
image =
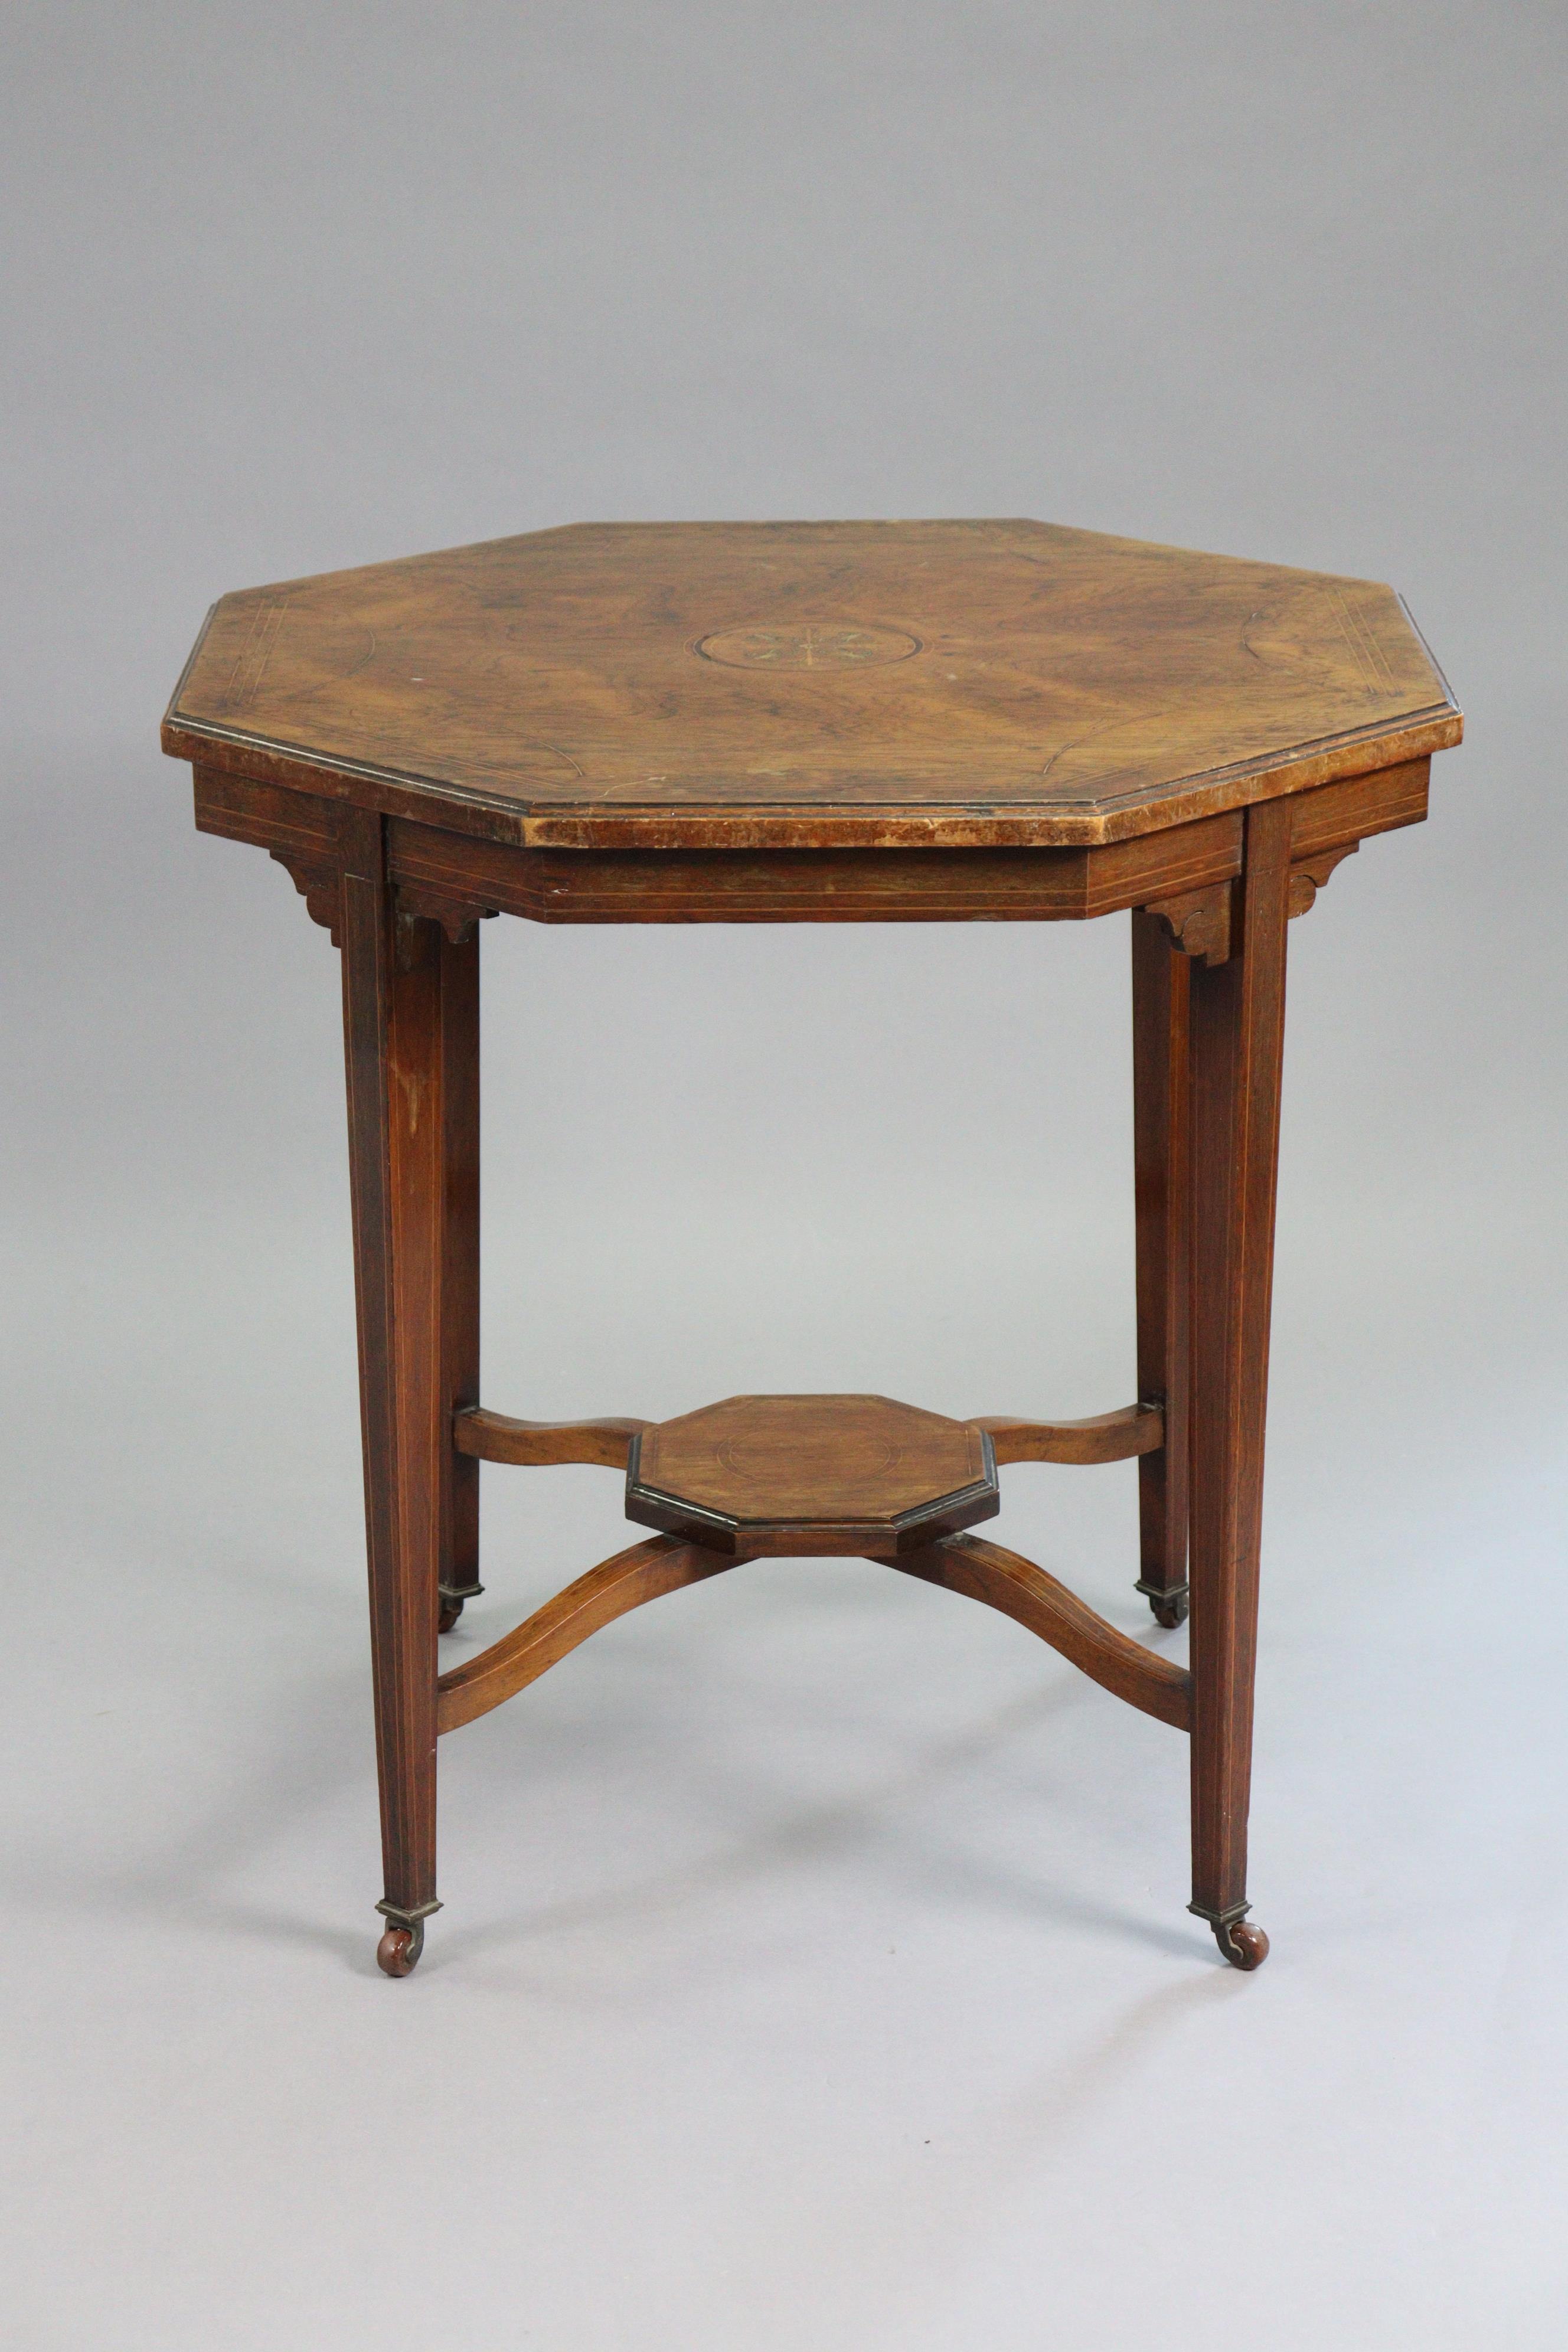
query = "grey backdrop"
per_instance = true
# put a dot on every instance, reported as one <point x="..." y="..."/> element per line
<point x="814" y="1970"/>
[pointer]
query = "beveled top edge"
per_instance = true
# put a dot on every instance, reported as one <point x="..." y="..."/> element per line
<point x="534" y="813"/>
<point x="785" y="824"/>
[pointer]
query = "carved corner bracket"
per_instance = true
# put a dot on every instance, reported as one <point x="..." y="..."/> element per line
<point x="1198" y="922"/>
<point x="459" y="917"/>
<point x="320" y="884"/>
<point x="1307" y="875"/>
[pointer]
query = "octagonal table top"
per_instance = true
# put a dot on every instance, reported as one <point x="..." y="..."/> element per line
<point x="754" y="684"/>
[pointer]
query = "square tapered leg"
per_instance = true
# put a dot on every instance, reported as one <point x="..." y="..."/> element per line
<point x="1237" y="1037"/>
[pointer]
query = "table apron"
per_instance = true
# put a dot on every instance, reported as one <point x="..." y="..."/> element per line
<point x="456" y="877"/>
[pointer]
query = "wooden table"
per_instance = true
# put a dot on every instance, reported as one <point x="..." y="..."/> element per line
<point x="810" y="723"/>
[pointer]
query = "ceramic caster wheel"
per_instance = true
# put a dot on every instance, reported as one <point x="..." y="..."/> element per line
<point x="399" y="1949"/>
<point x="1244" y="1946"/>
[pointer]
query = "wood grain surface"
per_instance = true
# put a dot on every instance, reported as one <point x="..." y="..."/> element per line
<point x="1033" y="1597"/>
<point x="804" y="1476"/>
<point x="398" y="1029"/>
<point x="735" y="685"/>
<point x="840" y="723"/>
<point x="1131" y="1429"/>
<point x="496" y="1437"/>
<point x="644" y="1572"/>
<point x="1177" y="870"/>
<point x="1162" y="1185"/>
<point x="1237" y="1027"/>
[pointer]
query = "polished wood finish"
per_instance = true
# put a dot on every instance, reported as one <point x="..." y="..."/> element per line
<point x="497" y="1437"/>
<point x="1180" y="870"/>
<point x="1308" y="876"/>
<point x="458" y="962"/>
<point x="1161" y="1149"/>
<point x="960" y="1563"/>
<point x="1004" y="1580"/>
<point x="1237" y="1015"/>
<point x="808" y="1476"/>
<point x="395" y="1037"/>
<point x="1133" y="1429"/>
<point x="1196" y="922"/>
<point x="905" y="722"/>
<point x="809" y="886"/>
<point x="736" y="685"/>
<point x="644" y="1572"/>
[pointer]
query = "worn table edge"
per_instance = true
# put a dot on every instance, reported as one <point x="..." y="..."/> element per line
<point x="977" y="824"/>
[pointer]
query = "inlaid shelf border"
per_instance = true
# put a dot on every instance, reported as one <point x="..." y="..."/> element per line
<point x="959" y="1562"/>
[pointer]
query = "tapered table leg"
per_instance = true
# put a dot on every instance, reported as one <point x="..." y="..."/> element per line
<point x="1237" y="1014"/>
<point x="459" y="1561"/>
<point x="396" y="986"/>
<point x="1162" y="1145"/>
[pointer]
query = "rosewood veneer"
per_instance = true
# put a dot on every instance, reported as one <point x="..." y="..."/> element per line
<point x="815" y="723"/>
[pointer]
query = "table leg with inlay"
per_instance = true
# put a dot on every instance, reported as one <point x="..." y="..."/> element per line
<point x="1237" y="1043"/>
<point x="1161" y="1139"/>
<point x="941" y="722"/>
<point x="406" y="1041"/>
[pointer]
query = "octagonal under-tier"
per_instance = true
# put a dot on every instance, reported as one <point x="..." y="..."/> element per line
<point x="744" y="686"/>
<point x="798" y="1476"/>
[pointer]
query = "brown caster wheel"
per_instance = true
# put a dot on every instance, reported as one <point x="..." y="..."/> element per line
<point x="450" y="1612"/>
<point x="1170" y="1608"/>
<point x="1245" y="1946"/>
<point x="398" y="1950"/>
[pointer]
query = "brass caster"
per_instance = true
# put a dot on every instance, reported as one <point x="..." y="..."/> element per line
<point x="1169" y="1604"/>
<point x="1245" y="1946"/>
<point x="399" y="1949"/>
<point x="452" y="1599"/>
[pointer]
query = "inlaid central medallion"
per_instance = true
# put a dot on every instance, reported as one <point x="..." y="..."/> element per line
<point x="807" y="645"/>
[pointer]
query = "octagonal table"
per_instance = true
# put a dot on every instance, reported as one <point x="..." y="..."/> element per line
<point x="815" y="723"/>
